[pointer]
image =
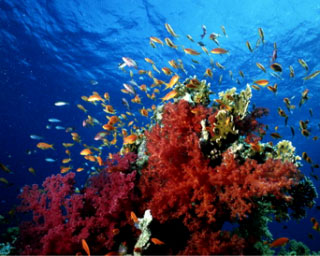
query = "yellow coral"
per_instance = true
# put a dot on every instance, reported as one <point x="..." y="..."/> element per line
<point x="223" y="126"/>
<point x="238" y="102"/>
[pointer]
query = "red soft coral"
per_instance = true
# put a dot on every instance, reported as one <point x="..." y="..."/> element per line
<point x="180" y="183"/>
<point x="61" y="218"/>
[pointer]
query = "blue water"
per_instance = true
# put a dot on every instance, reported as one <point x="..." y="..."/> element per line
<point x="50" y="50"/>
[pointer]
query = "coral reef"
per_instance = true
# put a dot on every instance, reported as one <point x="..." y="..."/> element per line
<point x="196" y="170"/>
<point x="61" y="218"/>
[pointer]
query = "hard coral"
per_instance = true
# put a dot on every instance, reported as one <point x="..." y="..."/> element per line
<point x="61" y="218"/>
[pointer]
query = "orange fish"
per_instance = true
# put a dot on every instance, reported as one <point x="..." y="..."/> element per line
<point x="170" y="95"/>
<point x="170" y="30"/>
<point x="143" y="87"/>
<point x="166" y="71"/>
<point x="90" y="158"/>
<point x="208" y="72"/>
<point x="113" y="120"/>
<point x="136" y="99"/>
<point x="172" y="82"/>
<point x="173" y="64"/>
<point x="44" y="146"/>
<point x="66" y="160"/>
<point x="108" y="127"/>
<point x="85" y="246"/>
<point x="262" y="82"/>
<point x="109" y="109"/>
<point x="156" y="241"/>
<point x="170" y="43"/>
<point x="134" y="217"/>
<point x="86" y="152"/>
<point x="106" y="96"/>
<point x="94" y="98"/>
<point x="65" y="169"/>
<point x="191" y="51"/>
<point x="218" y="51"/>
<point x="130" y="139"/>
<point x="273" y="88"/>
<point x="156" y="40"/>
<point x="279" y="242"/>
<point x="79" y="169"/>
<point x="144" y="112"/>
<point x="149" y="60"/>
<point x="67" y="145"/>
<point x="99" y="160"/>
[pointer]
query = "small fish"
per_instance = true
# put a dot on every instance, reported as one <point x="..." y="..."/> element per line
<point x="255" y="87"/>
<point x="241" y="73"/>
<point x="276" y="67"/>
<point x="172" y="82"/>
<point x="249" y="46"/>
<point x="32" y="170"/>
<point x="303" y="64"/>
<point x="170" y="95"/>
<point x="204" y="31"/>
<point x="129" y="62"/>
<point x="274" y="53"/>
<point x="219" y="51"/>
<point x="44" y="146"/>
<point x="259" y="65"/>
<point x="80" y="169"/>
<point x="191" y="51"/>
<point x="125" y="103"/>
<point x="190" y="38"/>
<point x="54" y="120"/>
<point x="273" y="88"/>
<point x="208" y="72"/>
<point x="291" y="71"/>
<point x="129" y="88"/>
<point x="85" y="246"/>
<point x="156" y="241"/>
<point x="305" y="132"/>
<point x="86" y="152"/>
<point x="262" y="82"/>
<point x="261" y="34"/>
<point x="279" y="242"/>
<point x="156" y="40"/>
<point x="214" y="38"/>
<point x="79" y="106"/>
<point x="276" y="135"/>
<point x="220" y="79"/>
<point x="170" y="30"/>
<point x="58" y="127"/>
<point x="170" y="43"/>
<point x="66" y="160"/>
<point x="134" y="217"/>
<point x="166" y="71"/>
<point x="130" y="139"/>
<point x="4" y="180"/>
<point x="219" y="65"/>
<point x="5" y="168"/>
<point x="224" y="31"/>
<point x="61" y="103"/>
<point x="173" y="64"/>
<point x="313" y="75"/>
<point x="50" y="160"/>
<point x="35" y="137"/>
<point x="95" y="97"/>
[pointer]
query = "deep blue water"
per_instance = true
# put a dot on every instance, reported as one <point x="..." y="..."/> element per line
<point x="50" y="50"/>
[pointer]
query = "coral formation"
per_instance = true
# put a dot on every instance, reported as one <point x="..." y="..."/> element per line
<point x="197" y="168"/>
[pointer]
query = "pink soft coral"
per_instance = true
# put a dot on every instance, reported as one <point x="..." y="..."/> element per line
<point x="61" y="218"/>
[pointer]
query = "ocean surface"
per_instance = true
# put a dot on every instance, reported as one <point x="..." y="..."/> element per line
<point x="54" y="51"/>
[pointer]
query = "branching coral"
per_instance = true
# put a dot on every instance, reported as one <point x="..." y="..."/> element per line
<point x="180" y="182"/>
<point x="62" y="218"/>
